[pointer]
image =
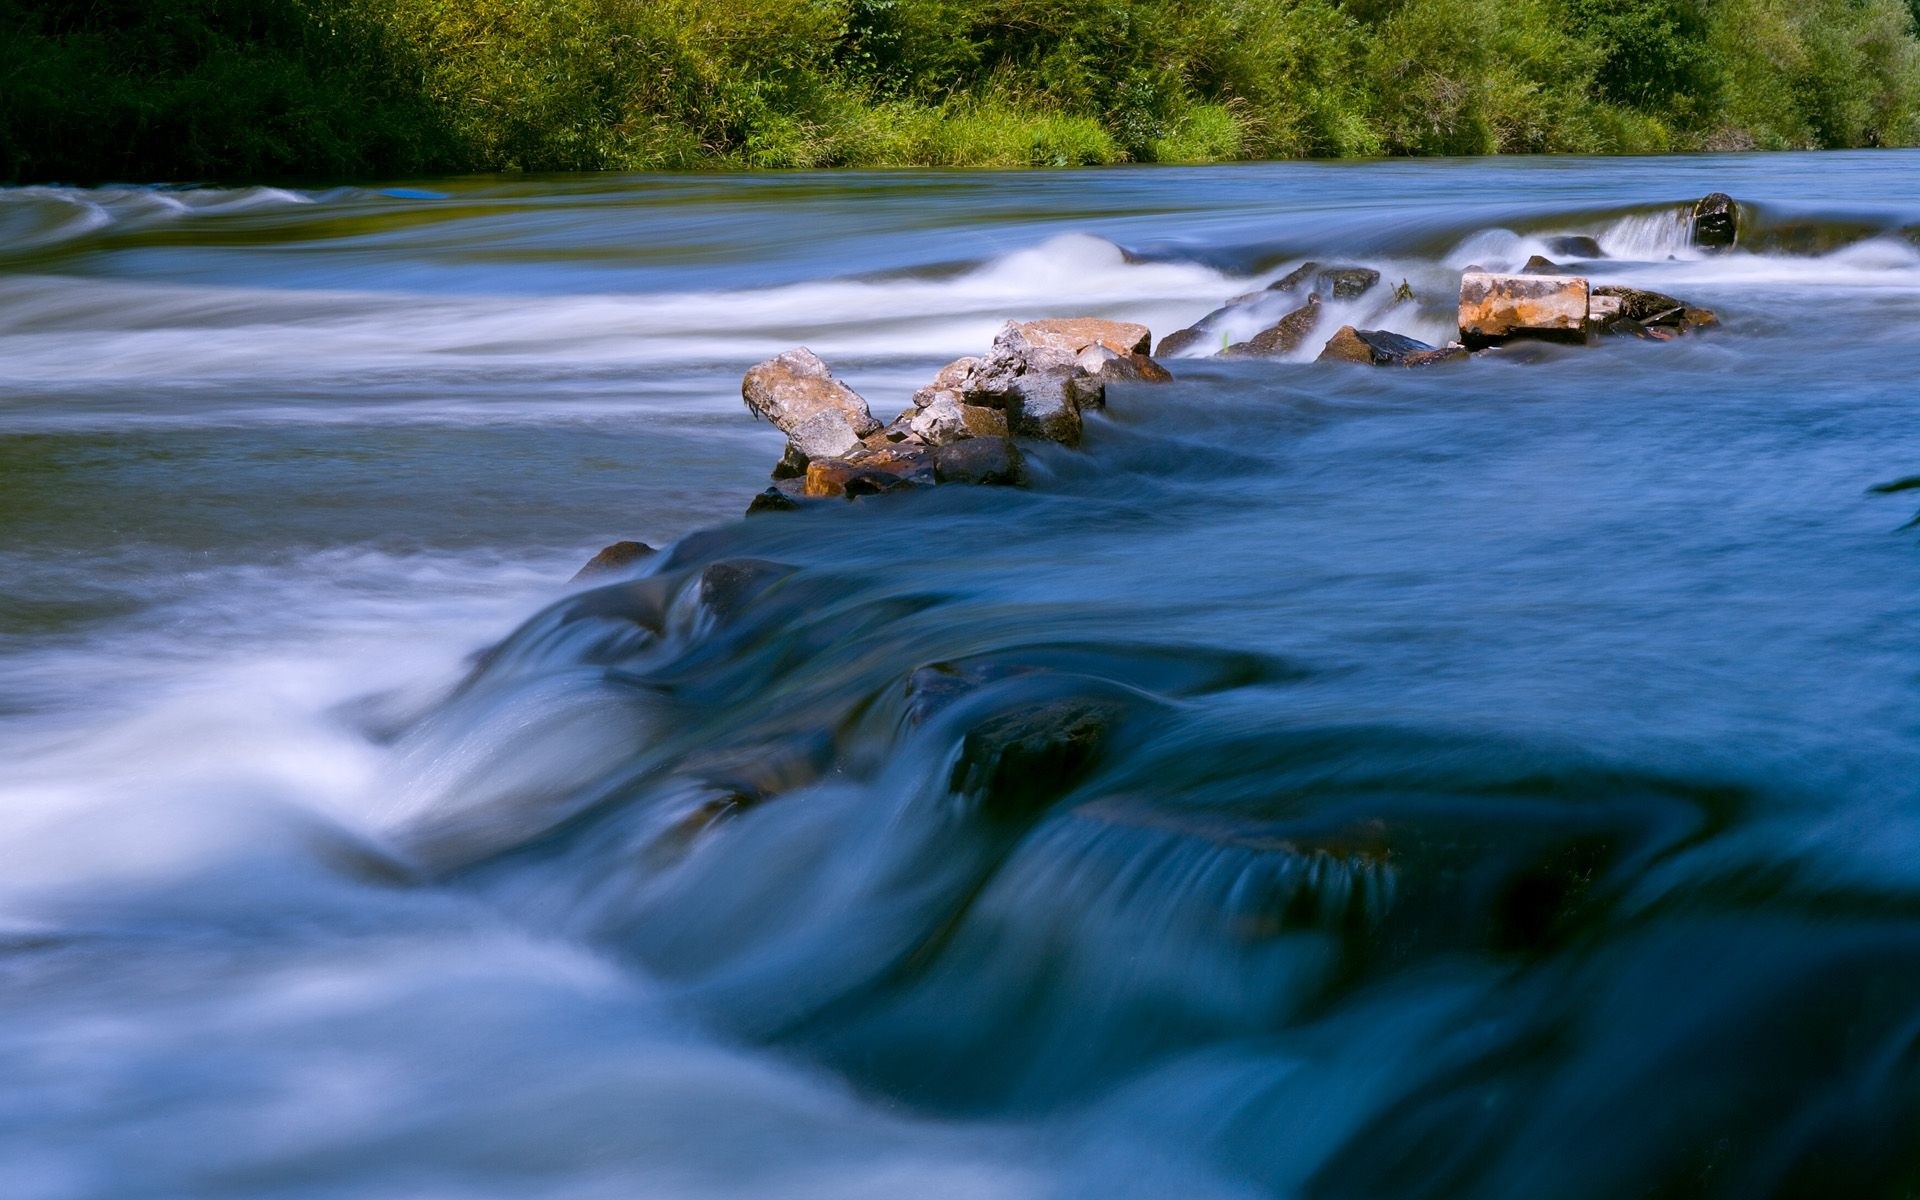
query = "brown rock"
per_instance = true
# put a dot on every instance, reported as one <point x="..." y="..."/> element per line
<point x="1074" y="334"/>
<point x="869" y="472"/>
<point x="613" y="559"/>
<point x="1494" y="308"/>
<point x="1383" y="348"/>
<point x="1541" y="265"/>
<point x="794" y="388"/>
<point x="1109" y="367"/>
<point x="1282" y="337"/>
<point x="1575" y="245"/>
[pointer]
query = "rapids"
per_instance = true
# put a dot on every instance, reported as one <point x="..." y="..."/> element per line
<point x="1489" y="781"/>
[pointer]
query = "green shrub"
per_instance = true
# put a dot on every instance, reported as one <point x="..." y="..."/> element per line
<point x="236" y="89"/>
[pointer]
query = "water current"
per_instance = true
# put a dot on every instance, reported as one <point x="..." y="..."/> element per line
<point x="1495" y="780"/>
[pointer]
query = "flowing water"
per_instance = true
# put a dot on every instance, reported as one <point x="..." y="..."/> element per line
<point x="1496" y="780"/>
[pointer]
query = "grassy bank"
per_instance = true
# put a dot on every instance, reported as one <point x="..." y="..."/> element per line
<point x="240" y="89"/>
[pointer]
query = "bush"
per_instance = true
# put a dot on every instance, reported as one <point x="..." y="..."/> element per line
<point x="239" y="89"/>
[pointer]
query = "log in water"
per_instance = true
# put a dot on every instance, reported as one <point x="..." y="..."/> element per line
<point x="1489" y="780"/>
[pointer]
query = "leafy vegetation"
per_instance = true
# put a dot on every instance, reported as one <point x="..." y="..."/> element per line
<point x="235" y="89"/>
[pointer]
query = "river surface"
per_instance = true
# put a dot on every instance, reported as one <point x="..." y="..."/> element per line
<point x="1498" y="780"/>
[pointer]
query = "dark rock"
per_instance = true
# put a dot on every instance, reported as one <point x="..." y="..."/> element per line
<point x="1187" y="339"/>
<point x="979" y="460"/>
<point x="728" y="586"/>
<point x="1638" y="304"/>
<point x="1282" y="337"/>
<point x="1015" y="762"/>
<point x="1346" y="283"/>
<point x="1641" y="311"/>
<point x="793" y="464"/>
<point x="1716" y="221"/>
<point x="1377" y="347"/>
<point x="785" y="496"/>
<point x="614" y="558"/>
<point x="1575" y="245"/>
<point x="1538" y="265"/>
<point x="1292" y="280"/>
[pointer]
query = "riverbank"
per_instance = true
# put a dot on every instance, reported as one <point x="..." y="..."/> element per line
<point x="244" y="90"/>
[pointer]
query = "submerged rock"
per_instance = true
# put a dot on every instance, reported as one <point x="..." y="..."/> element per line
<point x="1575" y="245"/>
<point x="1282" y="337"/>
<point x="1716" y="221"/>
<point x="1494" y="308"/>
<point x="615" y="558"/>
<point x="1294" y="279"/>
<point x="1018" y="761"/>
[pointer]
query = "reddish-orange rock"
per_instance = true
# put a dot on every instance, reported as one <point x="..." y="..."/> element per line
<point x="1074" y="334"/>
<point x="1494" y="308"/>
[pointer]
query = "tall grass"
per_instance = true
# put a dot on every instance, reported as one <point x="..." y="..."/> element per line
<point x="234" y="89"/>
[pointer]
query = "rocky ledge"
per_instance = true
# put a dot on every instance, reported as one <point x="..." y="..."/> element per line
<point x="1036" y="381"/>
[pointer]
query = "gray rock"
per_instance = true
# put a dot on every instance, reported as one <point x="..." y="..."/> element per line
<point x="1346" y="283"/>
<point x="1046" y="404"/>
<point x="793" y="388"/>
<point x="1575" y="245"/>
<point x="825" y="434"/>
<point x="982" y="460"/>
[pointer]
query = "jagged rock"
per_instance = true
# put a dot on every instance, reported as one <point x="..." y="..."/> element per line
<point x="1494" y="308"/>
<point x="1346" y="283"/>
<point x="613" y="559"/>
<point x="1291" y="281"/>
<point x="1382" y="348"/>
<point x="1639" y="304"/>
<point x="1282" y="337"/>
<point x="1539" y="265"/>
<point x="984" y="460"/>
<point x="1575" y="245"/>
<point x="956" y="376"/>
<point x="1047" y="404"/>
<point x="793" y="388"/>
<point x="1109" y="367"/>
<point x="825" y="434"/>
<point x="945" y="418"/>
<point x="1716" y="221"/>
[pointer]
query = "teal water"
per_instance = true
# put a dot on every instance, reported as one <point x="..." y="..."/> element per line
<point x="1504" y="785"/>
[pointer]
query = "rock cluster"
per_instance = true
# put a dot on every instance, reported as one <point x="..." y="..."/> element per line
<point x="1567" y="308"/>
<point x="1036" y="381"/>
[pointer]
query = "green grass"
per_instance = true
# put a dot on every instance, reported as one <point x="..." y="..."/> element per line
<point x="251" y="89"/>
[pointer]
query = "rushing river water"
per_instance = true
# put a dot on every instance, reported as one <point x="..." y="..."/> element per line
<point x="1497" y="780"/>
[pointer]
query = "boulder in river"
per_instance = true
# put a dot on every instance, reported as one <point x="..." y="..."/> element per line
<point x="1716" y="221"/>
<point x="1539" y="264"/>
<point x="1494" y="308"/>
<point x="1282" y="337"/>
<point x="794" y="388"/>
<point x="1382" y="348"/>
<point x="1346" y="283"/>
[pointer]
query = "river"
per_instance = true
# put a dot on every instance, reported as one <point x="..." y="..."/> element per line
<point x="1503" y="781"/>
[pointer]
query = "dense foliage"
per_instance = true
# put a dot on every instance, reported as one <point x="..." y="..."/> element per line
<point x="145" y="89"/>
